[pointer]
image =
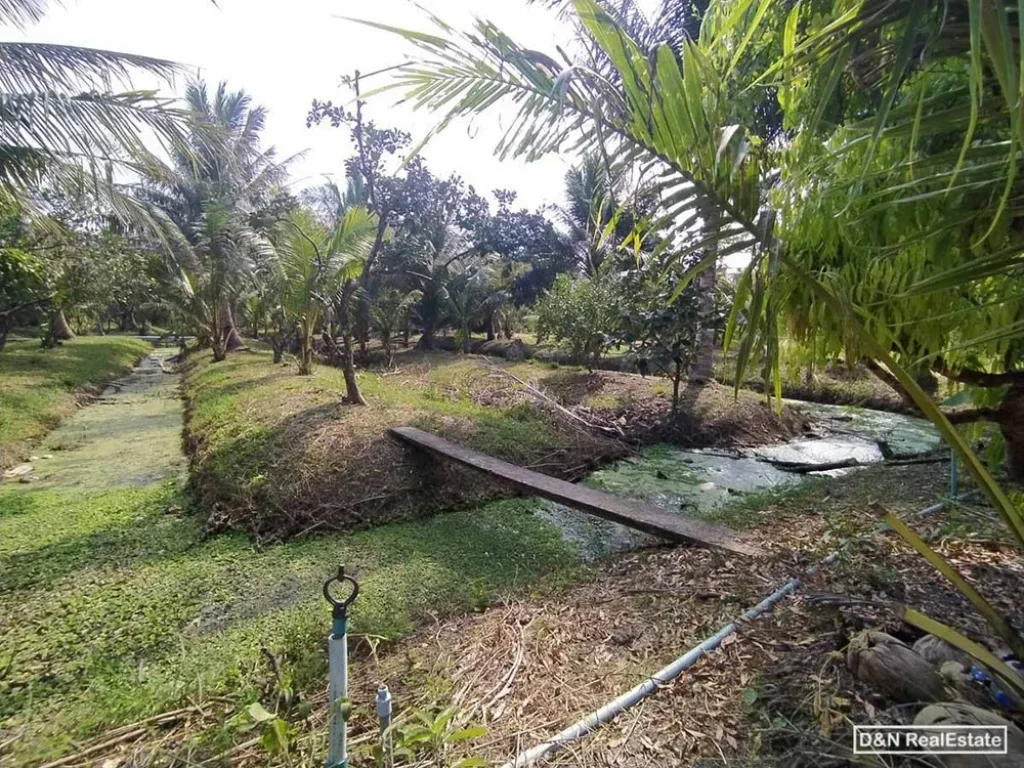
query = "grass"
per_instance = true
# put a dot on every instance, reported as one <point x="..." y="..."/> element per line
<point x="116" y="605"/>
<point x="115" y="609"/>
<point x="278" y="453"/>
<point x="42" y="386"/>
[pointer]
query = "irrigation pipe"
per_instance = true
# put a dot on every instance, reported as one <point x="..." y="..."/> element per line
<point x="652" y="684"/>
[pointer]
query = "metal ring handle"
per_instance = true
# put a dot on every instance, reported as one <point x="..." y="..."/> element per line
<point x="341" y="578"/>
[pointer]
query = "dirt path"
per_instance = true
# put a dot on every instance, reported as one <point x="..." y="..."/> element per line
<point x="131" y="436"/>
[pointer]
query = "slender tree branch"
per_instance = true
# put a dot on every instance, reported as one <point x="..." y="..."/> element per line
<point x="886" y="377"/>
<point x="977" y="378"/>
<point x="26" y="305"/>
<point x="972" y="415"/>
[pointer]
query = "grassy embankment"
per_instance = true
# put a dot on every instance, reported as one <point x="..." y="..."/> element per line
<point x="40" y="387"/>
<point x="277" y="454"/>
<point x="833" y="384"/>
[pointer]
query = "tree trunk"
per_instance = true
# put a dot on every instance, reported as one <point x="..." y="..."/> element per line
<point x="406" y="331"/>
<point x="232" y="339"/>
<point x="490" y="327"/>
<point x="348" y="363"/>
<point x="59" y="328"/>
<point x="677" y="378"/>
<point x="220" y="351"/>
<point x="426" y="341"/>
<point x="1011" y="424"/>
<point x="352" y="394"/>
<point x="278" y="353"/>
<point x="704" y="366"/>
<point x="306" y="354"/>
<point x="128" y="322"/>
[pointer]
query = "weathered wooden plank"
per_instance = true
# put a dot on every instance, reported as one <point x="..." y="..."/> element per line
<point x="634" y="514"/>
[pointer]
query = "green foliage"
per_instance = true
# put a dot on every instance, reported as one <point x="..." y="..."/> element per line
<point x="316" y="265"/>
<point x="74" y="111"/>
<point x="172" y="614"/>
<point x="904" y="193"/>
<point x="275" y="732"/>
<point x="216" y="209"/>
<point x="21" y="286"/>
<point x="582" y="313"/>
<point x="390" y="312"/>
<point x="429" y="736"/>
<point x="40" y="386"/>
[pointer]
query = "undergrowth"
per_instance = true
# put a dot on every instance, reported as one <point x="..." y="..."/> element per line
<point x="275" y="453"/>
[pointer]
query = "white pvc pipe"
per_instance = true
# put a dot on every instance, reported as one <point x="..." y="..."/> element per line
<point x="337" y="693"/>
<point x="610" y="711"/>
<point x="651" y="685"/>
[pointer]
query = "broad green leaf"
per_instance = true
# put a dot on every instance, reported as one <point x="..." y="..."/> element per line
<point x="259" y="714"/>
<point x="474" y="732"/>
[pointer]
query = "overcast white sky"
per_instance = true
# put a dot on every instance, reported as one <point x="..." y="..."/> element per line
<point x="287" y="53"/>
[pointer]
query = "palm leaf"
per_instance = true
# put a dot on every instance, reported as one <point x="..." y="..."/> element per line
<point x="983" y="606"/>
<point x="44" y="67"/>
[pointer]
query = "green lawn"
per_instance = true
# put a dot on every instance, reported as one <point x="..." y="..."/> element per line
<point x="38" y="386"/>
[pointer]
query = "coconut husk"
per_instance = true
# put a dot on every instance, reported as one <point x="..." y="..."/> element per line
<point x="894" y="669"/>
<point x="955" y="713"/>
<point x="937" y="651"/>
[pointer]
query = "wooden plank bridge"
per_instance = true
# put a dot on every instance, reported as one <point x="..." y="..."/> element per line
<point x="634" y="514"/>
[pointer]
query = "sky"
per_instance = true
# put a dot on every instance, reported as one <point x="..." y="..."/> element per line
<point x="286" y="53"/>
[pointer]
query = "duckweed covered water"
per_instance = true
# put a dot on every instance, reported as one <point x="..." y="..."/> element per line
<point x="694" y="483"/>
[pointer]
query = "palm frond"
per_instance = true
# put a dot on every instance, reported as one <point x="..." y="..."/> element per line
<point x="101" y="126"/>
<point x="22" y="12"/>
<point x="45" y="67"/>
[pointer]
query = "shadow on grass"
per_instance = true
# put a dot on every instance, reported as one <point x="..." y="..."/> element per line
<point x="139" y="531"/>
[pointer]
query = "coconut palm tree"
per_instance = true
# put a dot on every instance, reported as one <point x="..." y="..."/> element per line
<point x="918" y="190"/>
<point x="429" y="270"/>
<point x="211" y="203"/>
<point x="318" y="265"/>
<point x="60" y="118"/>
<point x="390" y="311"/>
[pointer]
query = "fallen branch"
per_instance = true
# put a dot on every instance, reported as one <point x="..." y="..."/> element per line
<point x="128" y="736"/>
<point x="803" y="469"/>
<point x="917" y="460"/>
<point x="539" y="395"/>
